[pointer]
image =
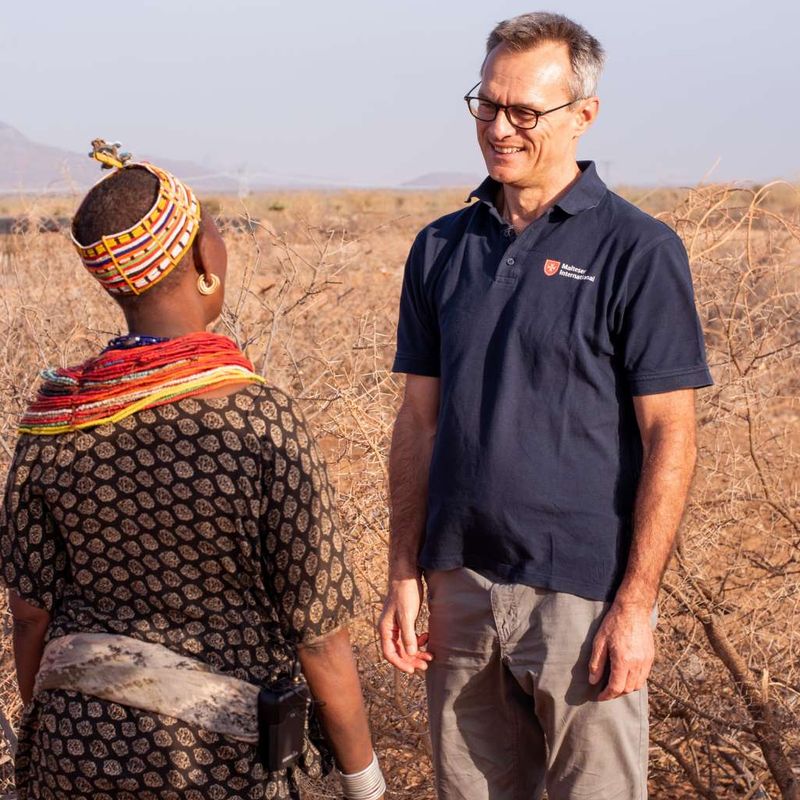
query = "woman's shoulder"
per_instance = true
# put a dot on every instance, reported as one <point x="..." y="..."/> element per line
<point x="272" y="413"/>
<point x="264" y="400"/>
<point x="253" y="397"/>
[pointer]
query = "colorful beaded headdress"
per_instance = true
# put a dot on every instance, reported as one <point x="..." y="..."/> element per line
<point x="134" y="260"/>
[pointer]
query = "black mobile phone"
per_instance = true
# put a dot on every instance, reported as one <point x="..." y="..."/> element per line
<point x="282" y="712"/>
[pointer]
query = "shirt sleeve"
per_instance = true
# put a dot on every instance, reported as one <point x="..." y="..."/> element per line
<point x="306" y="563"/>
<point x="418" y="326"/>
<point x="658" y="330"/>
<point x="33" y="559"/>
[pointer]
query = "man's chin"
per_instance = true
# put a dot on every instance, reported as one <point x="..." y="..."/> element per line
<point x="504" y="175"/>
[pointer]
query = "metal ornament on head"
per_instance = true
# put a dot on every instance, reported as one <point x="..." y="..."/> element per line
<point x="108" y="154"/>
<point x="134" y="260"/>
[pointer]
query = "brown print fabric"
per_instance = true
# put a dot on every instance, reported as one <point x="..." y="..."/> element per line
<point x="205" y="525"/>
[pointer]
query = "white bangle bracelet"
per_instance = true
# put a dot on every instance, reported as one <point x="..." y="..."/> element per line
<point x="369" y="784"/>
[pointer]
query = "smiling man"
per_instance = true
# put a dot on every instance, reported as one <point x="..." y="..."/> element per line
<point x="543" y="451"/>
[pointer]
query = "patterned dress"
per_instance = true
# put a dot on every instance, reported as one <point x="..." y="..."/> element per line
<point x="205" y="525"/>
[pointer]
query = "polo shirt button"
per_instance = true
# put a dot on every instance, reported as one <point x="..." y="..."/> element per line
<point x="510" y="262"/>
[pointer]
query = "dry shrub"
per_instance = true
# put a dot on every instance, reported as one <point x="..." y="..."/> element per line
<point x="726" y="690"/>
<point x="312" y="298"/>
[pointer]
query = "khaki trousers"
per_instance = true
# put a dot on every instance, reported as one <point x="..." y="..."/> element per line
<point x="511" y="709"/>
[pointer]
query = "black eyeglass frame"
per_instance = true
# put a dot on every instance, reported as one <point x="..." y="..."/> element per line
<point x="468" y="97"/>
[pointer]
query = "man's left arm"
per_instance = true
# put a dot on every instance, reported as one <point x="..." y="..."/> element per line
<point x="625" y="637"/>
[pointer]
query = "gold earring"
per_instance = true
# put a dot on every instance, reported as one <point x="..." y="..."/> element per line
<point x="207" y="288"/>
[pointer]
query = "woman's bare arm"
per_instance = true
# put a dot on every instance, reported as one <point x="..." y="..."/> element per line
<point x="330" y="669"/>
<point x="30" y="627"/>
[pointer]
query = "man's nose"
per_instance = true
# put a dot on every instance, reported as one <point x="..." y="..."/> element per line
<point x="500" y="127"/>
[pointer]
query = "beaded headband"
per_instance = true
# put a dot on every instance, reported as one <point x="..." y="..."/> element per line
<point x="134" y="260"/>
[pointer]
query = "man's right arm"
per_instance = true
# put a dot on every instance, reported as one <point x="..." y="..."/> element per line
<point x="409" y="468"/>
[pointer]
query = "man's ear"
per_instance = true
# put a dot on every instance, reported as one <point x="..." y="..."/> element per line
<point x="586" y="115"/>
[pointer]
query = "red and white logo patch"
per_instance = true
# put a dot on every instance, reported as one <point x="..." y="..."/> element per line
<point x="551" y="267"/>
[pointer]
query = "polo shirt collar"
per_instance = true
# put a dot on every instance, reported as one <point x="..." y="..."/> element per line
<point x="585" y="193"/>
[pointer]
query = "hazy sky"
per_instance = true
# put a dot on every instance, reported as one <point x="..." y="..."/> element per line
<point x="368" y="92"/>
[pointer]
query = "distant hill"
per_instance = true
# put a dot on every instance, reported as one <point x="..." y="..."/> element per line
<point x="27" y="167"/>
<point x="444" y="180"/>
<point x="30" y="167"/>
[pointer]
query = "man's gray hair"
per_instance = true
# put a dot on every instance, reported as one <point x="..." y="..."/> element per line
<point x="526" y="31"/>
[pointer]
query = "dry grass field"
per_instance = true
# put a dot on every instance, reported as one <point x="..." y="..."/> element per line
<point x="312" y="298"/>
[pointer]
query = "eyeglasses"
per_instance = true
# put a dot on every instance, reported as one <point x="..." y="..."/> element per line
<point x="519" y="116"/>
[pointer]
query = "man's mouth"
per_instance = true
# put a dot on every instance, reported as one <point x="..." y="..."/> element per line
<point x="506" y="151"/>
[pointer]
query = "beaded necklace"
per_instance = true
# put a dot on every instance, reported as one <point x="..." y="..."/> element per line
<point x="129" y="340"/>
<point x="121" y="381"/>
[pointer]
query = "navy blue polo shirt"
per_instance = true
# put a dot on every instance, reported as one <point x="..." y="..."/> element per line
<point x="540" y="341"/>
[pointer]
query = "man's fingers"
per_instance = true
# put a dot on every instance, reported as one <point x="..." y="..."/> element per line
<point x="422" y="641"/>
<point x="391" y="644"/>
<point x="616" y="683"/>
<point x="418" y="660"/>
<point x="395" y="653"/>
<point x="635" y="677"/>
<point x="396" y="661"/>
<point x="597" y="662"/>
<point x="634" y="681"/>
<point x="639" y="667"/>
<point x="646" y="672"/>
<point x="389" y="647"/>
<point x="385" y="633"/>
<point x="408" y="635"/>
<point x="408" y="662"/>
<point x="643" y="674"/>
<point x="627" y="675"/>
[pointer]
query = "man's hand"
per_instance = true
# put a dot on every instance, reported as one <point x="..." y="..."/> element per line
<point x="399" y="640"/>
<point x="625" y="637"/>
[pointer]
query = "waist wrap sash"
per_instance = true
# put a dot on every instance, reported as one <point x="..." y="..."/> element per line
<point x="153" y="678"/>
